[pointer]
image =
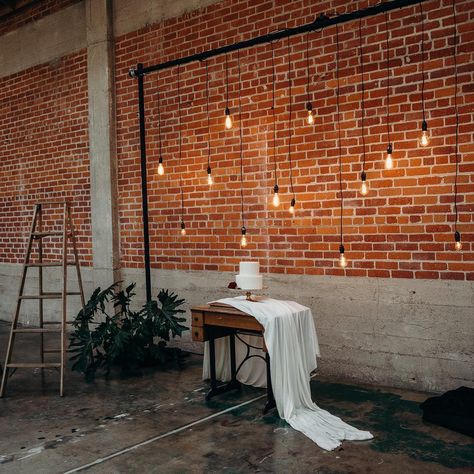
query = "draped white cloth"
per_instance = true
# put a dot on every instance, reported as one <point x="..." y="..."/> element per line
<point x="292" y="344"/>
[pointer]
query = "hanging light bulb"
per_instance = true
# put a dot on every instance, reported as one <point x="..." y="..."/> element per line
<point x="276" y="198"/>
<point x="243" y="240"/>
<point x="161" y="169"/>
<point x="228" y="119"/>
<point x="210" y="181"/>
<point x="457" y="239"/>
<point x="424" y="140"/>
<point x="183" y="228"/>
<point x="310" y="117"/>
<point x="389" y="159"/>
<point x="364" y="189"/>
<point x="342" y="257"/>
<point x="292" y="207"/>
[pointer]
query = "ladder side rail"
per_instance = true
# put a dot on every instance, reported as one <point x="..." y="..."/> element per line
<point x="76" y="259"/>
<point x="18" y="302"/>
<point x="64" y="300"/>
<point x="40" y="281"/>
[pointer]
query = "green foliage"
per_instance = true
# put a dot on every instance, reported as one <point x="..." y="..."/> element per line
<point x="128" y="339"/>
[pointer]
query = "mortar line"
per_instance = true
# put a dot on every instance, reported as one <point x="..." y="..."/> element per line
<point x="164" y="435"/>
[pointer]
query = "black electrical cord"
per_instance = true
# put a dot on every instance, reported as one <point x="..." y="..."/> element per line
<point x="308" y="98"/>
<point x="241" y="143"/>
<point x="159" y="124"/>
<point x="387" y="48"/>
<point x="422" y="61"/>
<point x="361" y="58"/>
<point x="455" y="42"/>
<point x="208" y="122"/>
<point x="180" y="147"/>
<point x="275" y="188"/>
<point x="339" y="131"/>
<point x="290" y="130"/>
<point x="226" y="83"/>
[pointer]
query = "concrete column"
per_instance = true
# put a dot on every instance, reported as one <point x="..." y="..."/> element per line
<point x="102" y="141"/>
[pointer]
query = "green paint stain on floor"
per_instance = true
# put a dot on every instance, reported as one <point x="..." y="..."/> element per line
<point x="396" y="424"/>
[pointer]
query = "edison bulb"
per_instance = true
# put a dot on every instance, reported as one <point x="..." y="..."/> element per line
<point x="364" y="189"/>
<point x="276" y="200"/>
<point x="458" y="245"/>
<point x="310" y="117"/>
<point x="292" y="210"/>
<point x="183" y="231"/>
<point x="228" y="119"/>
<point x="161" y="169"/>
<point x="210" y="181"/>
<point x="424" y="138"/>
<point x="243" y="241"/>
<point x="389" y="162"/>
<point x="342" y="261"/>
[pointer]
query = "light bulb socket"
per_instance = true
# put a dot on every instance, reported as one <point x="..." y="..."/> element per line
<point x="243" y="230"/>
<point x="363" y="176"/>
<point x="341" y="249"/>
<point x="276" y="188"/>
<point x="183" y="226"/>
<point x="309" y="106"/>
<point x="227" y="111"/>
<point x="424" y="126"/>
<point x="389" y="149"/>
<point x="160" y="160"/>
<point x="293" y="202"/>
<point x="457" y="237"/>
<point x="209" y="171"/>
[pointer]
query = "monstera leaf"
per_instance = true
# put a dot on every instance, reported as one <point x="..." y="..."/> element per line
<point x="128" y="339"/>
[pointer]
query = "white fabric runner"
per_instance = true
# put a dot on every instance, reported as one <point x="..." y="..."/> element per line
<point x="290" y="337"/>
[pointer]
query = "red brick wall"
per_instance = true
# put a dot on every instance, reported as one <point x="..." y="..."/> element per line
<point x="403" y="228"/>
<point x="44" y="151"/>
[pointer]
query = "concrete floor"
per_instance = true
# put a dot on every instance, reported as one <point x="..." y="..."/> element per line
<point x="128" y="425"/>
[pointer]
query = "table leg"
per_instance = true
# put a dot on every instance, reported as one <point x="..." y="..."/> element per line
<point x="233" y="363"/>
<point x="270" y="398"/>
<point x="233" y="384"/>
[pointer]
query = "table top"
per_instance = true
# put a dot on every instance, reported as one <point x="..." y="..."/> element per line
<point x="219" y="308"/>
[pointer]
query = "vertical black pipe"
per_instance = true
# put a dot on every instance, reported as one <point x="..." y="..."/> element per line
<point x="146" y="234"/>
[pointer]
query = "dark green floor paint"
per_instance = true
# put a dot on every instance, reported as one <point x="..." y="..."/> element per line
<point x="395" y="423"/>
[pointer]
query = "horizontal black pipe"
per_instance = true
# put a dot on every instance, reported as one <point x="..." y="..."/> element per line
<point x="320" y="22"/>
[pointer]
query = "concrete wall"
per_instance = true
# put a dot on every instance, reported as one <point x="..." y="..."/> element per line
<point x="64" y="32"/>
<point x="403" y="333"/>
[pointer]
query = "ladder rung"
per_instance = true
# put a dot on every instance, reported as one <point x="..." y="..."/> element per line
<point x="52" y="203"/>
<point x="36" y="330"/>
<point x="49" y="296"/>
<point x="38" y="365"/>
<point x="56" y="322"/>
<point x="49" y="264"/>
<point x="39" y="235"/>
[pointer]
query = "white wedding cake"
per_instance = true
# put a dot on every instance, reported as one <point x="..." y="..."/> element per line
<point x="249" y="277"/>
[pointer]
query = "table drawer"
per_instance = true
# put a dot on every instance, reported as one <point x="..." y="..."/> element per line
<point x="198" y="334"/>
<point x="197" y="318"/>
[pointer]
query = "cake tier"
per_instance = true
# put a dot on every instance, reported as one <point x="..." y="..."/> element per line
<point x="249" y="282"/>
<point x="249" y="268"/>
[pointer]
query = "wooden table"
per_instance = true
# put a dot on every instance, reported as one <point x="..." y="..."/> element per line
<point x="209" y="322"/>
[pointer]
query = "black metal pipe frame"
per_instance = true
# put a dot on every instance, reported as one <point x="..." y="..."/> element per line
<point x="322" y="21"/>
<point x="146" y="233"/>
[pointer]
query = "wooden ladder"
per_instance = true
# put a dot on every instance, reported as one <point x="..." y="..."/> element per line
<point x="37" y="234"/>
